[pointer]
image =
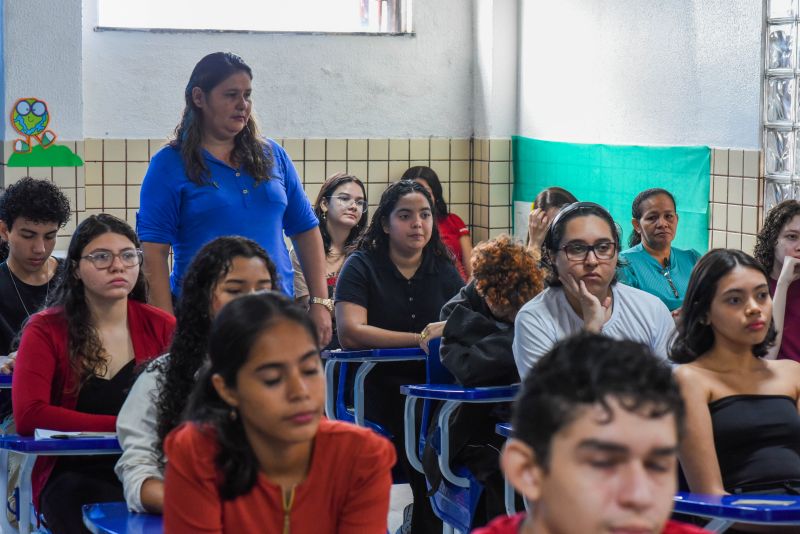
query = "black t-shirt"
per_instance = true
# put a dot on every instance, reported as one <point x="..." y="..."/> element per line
<point x="15" y="307"/>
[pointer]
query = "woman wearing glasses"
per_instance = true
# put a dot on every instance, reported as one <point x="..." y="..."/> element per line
<point x="76" y="363"/>
<point x="652" y="264"/>
<point x="341" y="208"/>
<point x="580" y="252"/>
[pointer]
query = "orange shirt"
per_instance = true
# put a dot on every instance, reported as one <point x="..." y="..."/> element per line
<point x="346" y="490"/>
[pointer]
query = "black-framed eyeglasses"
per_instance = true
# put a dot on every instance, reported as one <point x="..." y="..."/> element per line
<point x="102" y="259"/>
<point x="604" y="250"/>
<point x="346" y="201"/>
<point x="671" y="283"/>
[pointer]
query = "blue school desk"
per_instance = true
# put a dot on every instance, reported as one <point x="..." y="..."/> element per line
<point x="368" y="359"/>
<point x="114" y="518"/>
<point x="31" y="448"/>
<point x="5" y="381"/>
<point x="726" y="510"/>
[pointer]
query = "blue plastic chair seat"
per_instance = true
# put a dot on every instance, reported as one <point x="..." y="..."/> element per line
<point x="114" y="518"/>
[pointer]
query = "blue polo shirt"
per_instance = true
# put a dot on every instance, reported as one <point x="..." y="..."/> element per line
<point x="637" y="268"/>
<point x="176" y="211"/>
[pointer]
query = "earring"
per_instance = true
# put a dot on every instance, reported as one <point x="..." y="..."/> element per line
<point x="324" y="216"/>
<point x="233" y="414"/>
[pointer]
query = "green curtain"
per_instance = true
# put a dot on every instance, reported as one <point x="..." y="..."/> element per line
<point x="613" y="175"/>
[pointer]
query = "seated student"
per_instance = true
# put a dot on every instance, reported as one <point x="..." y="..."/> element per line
<point x="256" y="454"/>
<point x="389" y="294"/>
<point x="580" y="251"/>
<point x="452" y="230"/>
<point x="546" y="206"/>
<point x="596" y="431"/>
<point x="31" y="213"/>
<point x="743" y="426"/>
<point x="652" y="264"/>
<point x="778" y="251"/>
<point x="224" y="269"/>
<point x="476" y="348"/>
<point x="76" y="362"/>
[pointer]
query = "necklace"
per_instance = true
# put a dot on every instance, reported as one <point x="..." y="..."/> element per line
<point x="19" y="296"/>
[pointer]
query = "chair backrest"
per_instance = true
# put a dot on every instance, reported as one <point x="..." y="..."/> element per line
<point x="435" y="372"/>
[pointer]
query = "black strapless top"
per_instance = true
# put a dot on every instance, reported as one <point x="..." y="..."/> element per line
<point x="757" y="438"/>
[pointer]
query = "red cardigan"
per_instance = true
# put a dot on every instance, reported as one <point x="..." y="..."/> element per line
<point x="43" y="387"/>
<point x="346" y="490"/>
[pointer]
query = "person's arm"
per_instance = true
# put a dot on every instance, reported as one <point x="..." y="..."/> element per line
<point x="191" y="498"/>
<point x="156" y="270"/>
<point x="33" y="379"/>
<point x="311" y="254"/>
<point x="537" y="230"/>
<point x="367" y="505"/>
<point x="466" y="253"/>
<point x="139" y="468"/>
<point x="300" y="287"/>
<point x="663" y="329"/>
<point x="355" y="333"/>
<point x="789" y="273"/>
<point x="697" y="453"/>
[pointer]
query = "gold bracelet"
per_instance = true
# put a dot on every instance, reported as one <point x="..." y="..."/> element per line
<point x="423" y="335"/>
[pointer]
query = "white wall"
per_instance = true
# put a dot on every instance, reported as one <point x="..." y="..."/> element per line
<point x="42" y="58"/>
<point x="304" y="85"/>
<point x="656" y="72"/>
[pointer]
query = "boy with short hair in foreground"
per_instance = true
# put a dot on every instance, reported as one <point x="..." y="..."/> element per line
<point x="594" y="447"/>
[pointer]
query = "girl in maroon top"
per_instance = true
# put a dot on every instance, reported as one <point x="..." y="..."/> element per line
<point x="256" y="454"/>
<point x="76" y="359"/>
<point x="452" y="230"/>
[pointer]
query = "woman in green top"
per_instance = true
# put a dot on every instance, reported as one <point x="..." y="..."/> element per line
<point x="652" y="264"/>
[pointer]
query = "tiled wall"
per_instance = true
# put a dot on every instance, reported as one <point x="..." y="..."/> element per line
<point x="476" y="175"/>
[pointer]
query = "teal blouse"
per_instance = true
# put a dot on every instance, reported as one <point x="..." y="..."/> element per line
<point x="637" y="268"/>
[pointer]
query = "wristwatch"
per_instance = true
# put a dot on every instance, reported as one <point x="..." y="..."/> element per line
<point x="328" y="303"/>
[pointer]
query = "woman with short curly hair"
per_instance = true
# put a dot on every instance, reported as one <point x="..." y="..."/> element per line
<point x="222" y="270"/>
<point x="778" y="251"/>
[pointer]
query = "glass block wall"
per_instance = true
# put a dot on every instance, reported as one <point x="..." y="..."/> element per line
<point x="780" y="103"/>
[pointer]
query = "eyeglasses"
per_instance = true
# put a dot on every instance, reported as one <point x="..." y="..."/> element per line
<point x="671" y="283"/>
<point x="103" y="259"/>
<point x="604" y="250"/>
<point x="346" y="201"/>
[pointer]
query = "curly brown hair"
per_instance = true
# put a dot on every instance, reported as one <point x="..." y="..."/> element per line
<point x="506" y="272"/>
<point x="768" y="236"/>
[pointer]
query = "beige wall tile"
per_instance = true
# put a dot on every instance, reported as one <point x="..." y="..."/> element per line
<point x="81" y="197"/>
<point x="156" y="145"/>
<point x="459" y="149"/>
<point x="133" y="196"/>
<point x="113" y="173"/>
<point x="358" y="169"/>
<point x="300" y="167"/>
<point x="750" y="191"/>
<point x="398" y="149"/>
<point x="357" y="149"/>
<point x="374" y="192"/>
<point x="440" y="149"/>
<point x="113" y="150"/>
<point x="418" y="163"/>
<point x="314" y="172"/>
<point x="137" y="150"/>
<point x="396" y="170"/>
<point x="459" y="171"/>
<point x="136" y="172"/>
<point x="80" y="176"/>
<point x="294" y="147"/>
<point x="499" y="216"/>
<point x="62" y="242"/>
<point x="116" y="212"/>
<point x="752" y="165"/>
<point x="312" y="190"/>
<point x="718" y="239"/>
<point x="332" y="167"/>
<point x="72" y="195"/>
<point x="378" y="149"/>
<point x="499" y="172"/>
<point x="494" y="232"/>
<point x="94" y="197"/>
<point x="481" y="234"/>
<point x="462" y="210"/>
<point x="500" y="195"/>
<point x="720" y="189"/>
<point x="130" y="216"/>
<point x="735" y="218"/>
<point x="378" y="171"/>
<point x="719" y="161"/>
<point x="64" y="176"/>
<point x="93" y="149"/>
<point x="420" y="149"/>
<point x="719" y="216"/>
<point x="94" y="173"/>
<point x="80" y="149"/>
<point x="733" y="240"/>
<point x="735" y="190"/>
<point x="114" y="197"/>
<point x="459" y="193"/>
<point x="315" y="150"/>
<point x="750" y="220"/>
<point x="748" y="243"/>
<point x="735" y="162"/>
<point x="68" y="228"/>
<point x="442" y="170"/>
<point x="499" y="150"/>
<point x="336" y="149"/>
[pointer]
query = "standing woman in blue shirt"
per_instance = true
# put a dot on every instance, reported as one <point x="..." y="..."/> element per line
<point x="652" y="264"/>
<point x="219" y="177"/>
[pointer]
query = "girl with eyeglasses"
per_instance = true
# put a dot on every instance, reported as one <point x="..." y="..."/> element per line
<point x="651" y="263"/>
<point x="76" y="363"/>
<point x="341" y="208"/>
<point x="580" y="252"/>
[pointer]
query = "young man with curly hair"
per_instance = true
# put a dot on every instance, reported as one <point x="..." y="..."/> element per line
<point x="594" y="446"/>
<point x="31" y="213"/>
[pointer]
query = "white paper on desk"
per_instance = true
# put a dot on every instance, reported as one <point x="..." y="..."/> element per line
<point x="42" y="433"/>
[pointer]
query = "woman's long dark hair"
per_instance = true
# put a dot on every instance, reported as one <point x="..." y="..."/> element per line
<point x="249" y="150"/>
<point x="326" y="192"/>
<point x="432" y="179"/>
<point x="376" y="240"/>
<point x="636" y="210"/>
<point x="189" y="343"/>
<point x="87" y="356"/>
<point x="694" y="335"/>
<point x="233" y="334"/>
